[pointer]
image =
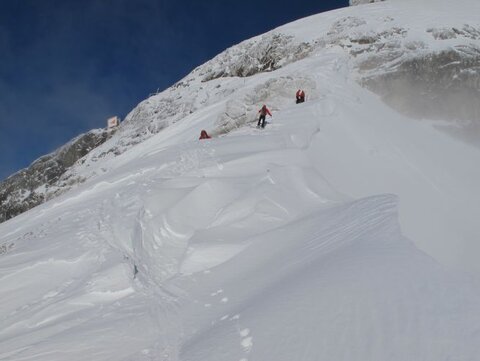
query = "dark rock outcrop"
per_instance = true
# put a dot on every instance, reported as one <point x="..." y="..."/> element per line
<point x="416" y="78"/>
<point x="267" y="53"/>
<point x="44" y="178"/>
<point x="443" y="85"/>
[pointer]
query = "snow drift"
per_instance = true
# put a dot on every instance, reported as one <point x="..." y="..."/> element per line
<point x="333" y="234"/>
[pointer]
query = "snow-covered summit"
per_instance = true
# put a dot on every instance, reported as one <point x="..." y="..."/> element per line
<point x="333" y="234"/>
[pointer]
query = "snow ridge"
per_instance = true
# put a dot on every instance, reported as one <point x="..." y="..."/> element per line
<point x="332" y="234"/>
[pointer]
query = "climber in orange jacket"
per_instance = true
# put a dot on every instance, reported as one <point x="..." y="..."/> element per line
<point x="263" y="114"/>
<point x="300" y="96"/>
<point x="204" y="135"/>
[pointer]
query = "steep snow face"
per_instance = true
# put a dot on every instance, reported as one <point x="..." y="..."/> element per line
<point x="315" y="297"/>
<point x="257" y="244"/>
<point x="297" y="241"/>
<point x="396" y="48"/>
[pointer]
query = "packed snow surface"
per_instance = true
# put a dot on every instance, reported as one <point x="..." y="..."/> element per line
<point x="335" y="233"/>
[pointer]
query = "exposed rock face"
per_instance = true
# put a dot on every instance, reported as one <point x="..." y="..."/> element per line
<point x="442" y="85"/>
<point x="267" y="53"/>
<point x="45" y="177"/>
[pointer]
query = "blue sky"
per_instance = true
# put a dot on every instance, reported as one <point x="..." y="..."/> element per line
<point x="65" y="66"/>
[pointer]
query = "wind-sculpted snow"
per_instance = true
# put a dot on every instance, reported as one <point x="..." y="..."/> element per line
<point x="257" y="272"/>
<point x="312" y="288"/>
<point x="335" y="233"/>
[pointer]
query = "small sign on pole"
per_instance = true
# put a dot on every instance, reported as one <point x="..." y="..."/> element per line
<point x="113" y="122"/>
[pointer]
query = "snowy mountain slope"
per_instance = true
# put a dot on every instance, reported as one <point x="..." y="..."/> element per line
<point x="383" y="150"/>
<point x="421" y="57"/>
<point x="258" y="244"/>
<point x="249" y="245"/>
<point x="396" y="48"/>
<point x="341" y="293"/>
<point x="319" y="264"/>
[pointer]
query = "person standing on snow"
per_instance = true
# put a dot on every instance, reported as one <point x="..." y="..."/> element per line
<point x="263" y="114"/>
<point x="204" y="135"/>
<point x="300" y="96"/>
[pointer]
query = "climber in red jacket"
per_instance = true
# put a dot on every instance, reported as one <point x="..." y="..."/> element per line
<point x="300" y="96"/>
<point x="204" y="135"/>
<point x="263" y="114"/>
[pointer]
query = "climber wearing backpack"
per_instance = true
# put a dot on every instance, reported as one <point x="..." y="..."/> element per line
<point x="300" y="96"/>
<point x="204" y="135"/>
<point x="263" y="114"/>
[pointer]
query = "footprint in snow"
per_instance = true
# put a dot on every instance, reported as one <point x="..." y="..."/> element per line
<point x="247" y="344"/>
<point x="216" y="293"/>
